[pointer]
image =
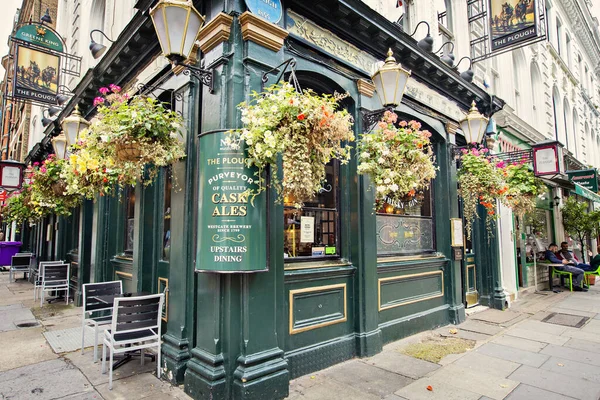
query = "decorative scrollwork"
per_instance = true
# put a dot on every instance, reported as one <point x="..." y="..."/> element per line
<point x="218" y="239"/>
<point x="328" y="190"/>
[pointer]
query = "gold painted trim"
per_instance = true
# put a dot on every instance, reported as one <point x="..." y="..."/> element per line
<point x="262" y="32"/>
<point x="166" y="317"/>
<point x="474" y="277"/>
<point x="316" y="289"/>
<point x="401" y="277"/>
<point x="315" y="265"/>
<point x="381" y="260"/>
<point x="215" y="32"/>
<point x="365" y="87"/>
<point x="125" y="274"/>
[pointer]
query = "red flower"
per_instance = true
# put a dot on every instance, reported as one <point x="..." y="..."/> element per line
<point x="301" y="116"/>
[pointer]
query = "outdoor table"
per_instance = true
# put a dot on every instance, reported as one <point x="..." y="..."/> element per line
<point x="550" y="278"/>
<point x="110" y="299"/>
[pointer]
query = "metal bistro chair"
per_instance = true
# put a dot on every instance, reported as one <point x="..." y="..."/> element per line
<point x="135" y="326"/>
<point x="19" y="263"/>
<point x="55" y="278"/>
<point x="95" y="312"/>
<point x="36" y="275"/>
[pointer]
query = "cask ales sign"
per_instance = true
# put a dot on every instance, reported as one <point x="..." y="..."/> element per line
<point x="232" y="231"/>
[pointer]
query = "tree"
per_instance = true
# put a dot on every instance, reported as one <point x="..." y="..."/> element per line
<point x="579" y="222"/>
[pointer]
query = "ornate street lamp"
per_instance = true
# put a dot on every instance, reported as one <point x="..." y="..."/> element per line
<point x="177" y="24"/>
<point x="390" y="82"/>
<point x="474" y="125"/>
<point x="59" y="143"/>
<point x="73" y="125"/>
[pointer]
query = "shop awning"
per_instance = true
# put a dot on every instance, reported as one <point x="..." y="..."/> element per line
<point x="588" y="194"/>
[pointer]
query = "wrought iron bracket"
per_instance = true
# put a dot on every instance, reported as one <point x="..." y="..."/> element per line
<point x="205" y="76"/>
<point x="290" y="63"/>
<point x="370" y="118"/>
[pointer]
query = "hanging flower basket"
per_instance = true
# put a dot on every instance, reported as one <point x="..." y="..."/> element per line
<point x="307" y="129"/>
<point x="128" y="152"/>
<point x="59" y="187"/>
<point x="398" y="159"/>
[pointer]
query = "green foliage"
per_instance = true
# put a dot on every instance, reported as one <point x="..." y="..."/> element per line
<point x="578" y="221"/>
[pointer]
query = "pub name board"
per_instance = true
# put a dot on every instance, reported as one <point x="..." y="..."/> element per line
<point x="231" y="223"/>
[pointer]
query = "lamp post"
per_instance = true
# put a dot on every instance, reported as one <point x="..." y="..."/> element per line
<point x="390" y="82"/>
<point x="73" y="125"/>
<point x="177" y="24"/>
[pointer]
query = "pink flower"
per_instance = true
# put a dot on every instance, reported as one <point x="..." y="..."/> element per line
<point x="35" y="164"/>
<point x="484" y="150"/>
<point x="475" y="152"/>
<point x="98" y="100"/>
<point x="414" y="125"/>
<point x="104" y="90"/>
<point x="402" y="123"/>
<point x="465" y="151"/>
<point x="501" y="164"/>
<point x="114" y="88"/>
<point x="43" y="169"/>
<point x="382" y="125"/>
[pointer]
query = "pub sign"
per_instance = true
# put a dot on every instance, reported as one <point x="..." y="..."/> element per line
<point x="231" y="223"/>
<point x="512" y="22"/>
<point x="36" y="75"/>
<point x="548" y="159"/>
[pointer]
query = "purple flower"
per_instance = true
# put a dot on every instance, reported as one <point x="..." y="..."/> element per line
<point x="98" y="100"/>
<point x="103" y="90"/>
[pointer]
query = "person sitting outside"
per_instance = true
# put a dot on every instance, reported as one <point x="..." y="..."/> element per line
<point x="595" y="262"/>
<point x="564" y="253"/>
<point x="565" y="266"/>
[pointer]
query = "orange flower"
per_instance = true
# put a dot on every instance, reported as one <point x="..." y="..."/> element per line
<point x="411" y="192"/>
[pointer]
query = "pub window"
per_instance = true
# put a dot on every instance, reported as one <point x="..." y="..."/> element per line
<point x="129" y="214"/>
<point x="166" y="237"/>
<point x="313" y="230"/>
<point x="405" y="226"/>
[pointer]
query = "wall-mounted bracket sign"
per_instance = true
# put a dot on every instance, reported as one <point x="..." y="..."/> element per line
<point x="11" y="175"/>
<point x="588" y="178"/>
<point x="266" y="9"/>
<point x="548" y="159"/>
<point x="232" y="227"/>
<point x="40" y="35"/>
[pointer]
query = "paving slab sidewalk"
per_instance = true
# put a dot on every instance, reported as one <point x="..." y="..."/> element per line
<point x="524" y="353"/>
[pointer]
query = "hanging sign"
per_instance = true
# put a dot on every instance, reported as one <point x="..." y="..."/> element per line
<point x="36" y="75"/>
<point x="40" y="36"/>
<point x="547" y="159"/>
<point x="266" y="9"/>
<point x="11" y="174"/>
<point x="588" y="178"/>
<point x="232" y="233"/>
<point x="512" y="22"/>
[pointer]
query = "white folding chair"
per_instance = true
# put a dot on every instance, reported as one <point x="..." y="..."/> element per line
<point x="55" y="278"/>
<point x="135" y="325"/>
<point x="37" y="275"/>
<point x="95" y="312"/>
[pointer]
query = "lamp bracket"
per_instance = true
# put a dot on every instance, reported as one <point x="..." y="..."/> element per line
<point x="370" y="118"/>
<point x="290" y="63"/>
<point x="205" y="76"/>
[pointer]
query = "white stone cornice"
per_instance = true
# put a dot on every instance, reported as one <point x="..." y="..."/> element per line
<point x="582" y="26"/>
<point x="506" y="119"/>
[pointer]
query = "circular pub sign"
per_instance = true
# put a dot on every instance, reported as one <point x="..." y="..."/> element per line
<point x="266" y="9"/>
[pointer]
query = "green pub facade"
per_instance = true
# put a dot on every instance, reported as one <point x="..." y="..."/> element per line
<point x="259" y="292"/>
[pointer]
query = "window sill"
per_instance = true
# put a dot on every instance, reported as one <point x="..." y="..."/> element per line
<point x="423" y="257"/>
<point x="316" y="264"/>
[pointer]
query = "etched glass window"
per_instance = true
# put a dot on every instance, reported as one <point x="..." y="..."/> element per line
<point x="405" y="227"/>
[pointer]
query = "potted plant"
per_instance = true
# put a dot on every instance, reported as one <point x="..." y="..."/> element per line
<point x="398" y="159"/>
<point x="18" y="207"/>
<point x="306" y="129"/>
<point x="481" y="179"/>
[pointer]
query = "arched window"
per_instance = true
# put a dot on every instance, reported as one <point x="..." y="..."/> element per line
<point x="537" y="96"/>
<point x="518" y="68"/>
<point x="566" y="115"/>
<point x="558" y="35"/>
<point x="568" y="45"/>
<point x="575" y="132"/>
<point x="97" y="19"/>
<point x="556" y="109"/>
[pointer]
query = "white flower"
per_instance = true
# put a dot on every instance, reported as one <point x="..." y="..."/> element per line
<point x="364" y="154"/>
<point x="249" y="141"/>
<point x="381" y="189"/>
<point x="394" y="187"/>
<point x="274" y="109"/>
<point x="385" y="152"/>
<point x="246" y="120"/>
<point x="380" y="160"/>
